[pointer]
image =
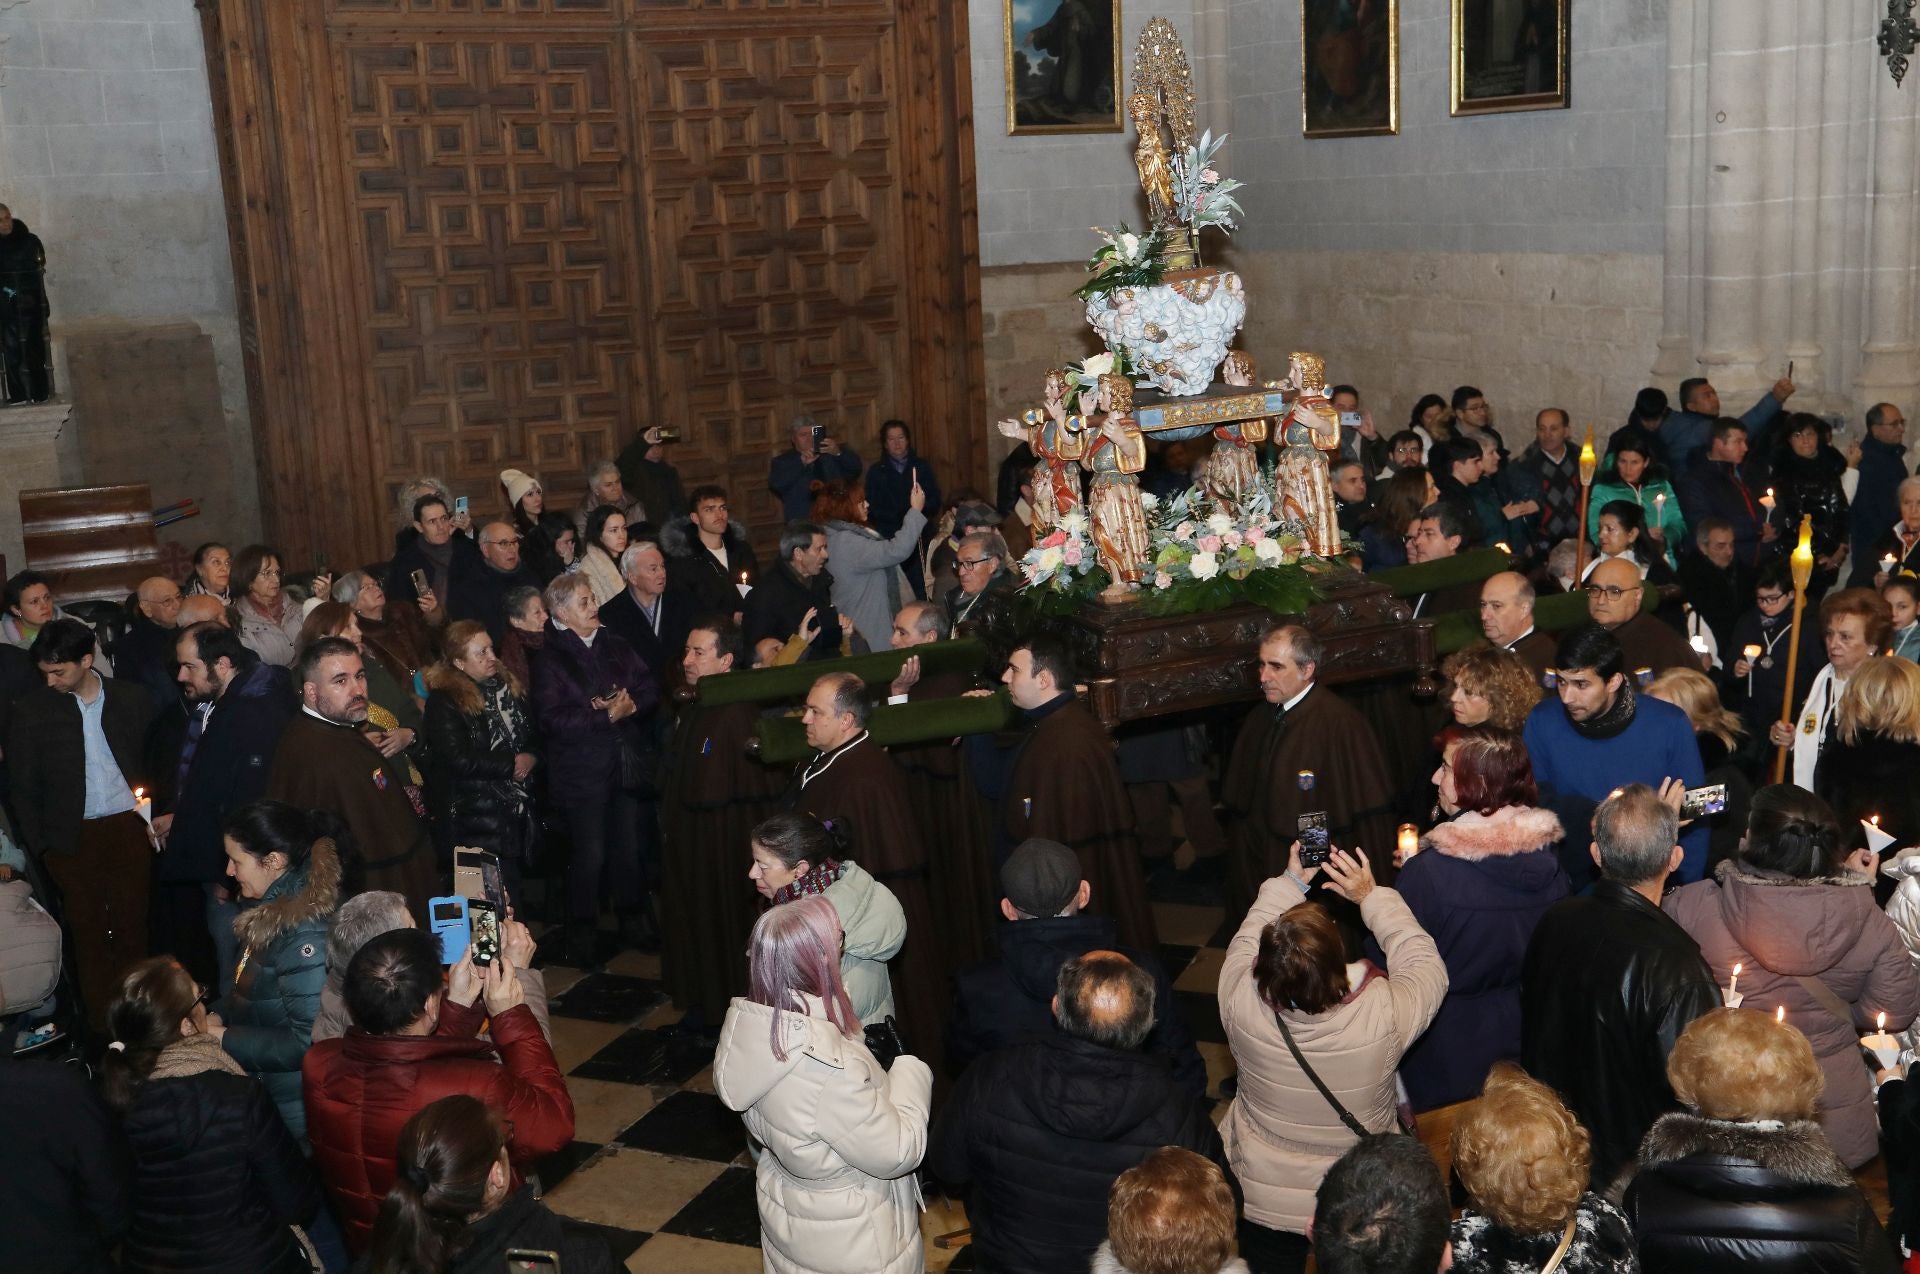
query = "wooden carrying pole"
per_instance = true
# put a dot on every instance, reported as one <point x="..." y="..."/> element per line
<point x="1588" y="464"/>
<point x="1802" y="563"/>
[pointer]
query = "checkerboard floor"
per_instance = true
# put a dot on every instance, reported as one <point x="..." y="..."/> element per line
<point x="660" y="1166"/>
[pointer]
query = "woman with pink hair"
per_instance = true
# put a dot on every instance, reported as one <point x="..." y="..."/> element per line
<point x="836" y="1136"/>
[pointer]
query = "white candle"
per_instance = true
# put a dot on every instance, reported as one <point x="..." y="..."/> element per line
<point x="143" y="805"/>
<point x="1877" y="840"/>
<point x="1733" y="983"/>
<point x="1409" y="841"/>
<point x="1886" y="564"/>
<point x="744" y="587"/>
<point x="1766" y="502"/>
<point x="1885" y="1047"/>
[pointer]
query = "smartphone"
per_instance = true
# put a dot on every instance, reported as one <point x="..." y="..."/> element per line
<point x="819" y="436"/>
<point x="486" y="930"/>
<point x="476" y="876"/>
<point x="447" y="919"/>
<point x="1349" y="420"/>
<point x="1315" y="845"/>
<point x="459" y="506"/>
<point x="1702" y="801"/>
<point x="525" y="1258"/>
<point x="419" y="578"/>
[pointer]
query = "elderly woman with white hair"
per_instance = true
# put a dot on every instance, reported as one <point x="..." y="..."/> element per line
<point x="395" y="633"/>
<point x="1901" y="541"/>
<point x="605" y="486"/>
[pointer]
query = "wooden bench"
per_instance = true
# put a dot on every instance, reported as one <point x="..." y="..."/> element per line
<point x="91" y="542"/>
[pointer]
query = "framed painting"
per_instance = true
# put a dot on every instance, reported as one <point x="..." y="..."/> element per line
<point x="1349" y="68"/>
<point x="1063" y="66"/>
<point x="1509" y="55"/>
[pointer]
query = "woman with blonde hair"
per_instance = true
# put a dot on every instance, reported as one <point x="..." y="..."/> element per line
<point x="1523" y="1159"/>
<point x="1744" y="1179"/>
<point x="1717" y="731"/>
<point x="1867" y="769"/>
<point x="837" y="1136"/>
<point x="1488" y="686"/>
<point x="1171" y="1213"/>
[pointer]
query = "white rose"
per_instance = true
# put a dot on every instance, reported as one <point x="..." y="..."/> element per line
<point x="1050" y="560"/>
<point x="1098" y="365"/>
<point x="1267" y="550"/>
<point x="1219" y="524"/>
<point x="1149" y="501"/>
<point x="1204" y="566"/>
<point x="1129" y="246"/>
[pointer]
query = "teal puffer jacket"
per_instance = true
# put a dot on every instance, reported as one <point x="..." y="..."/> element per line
<point x="269" y="1013"/>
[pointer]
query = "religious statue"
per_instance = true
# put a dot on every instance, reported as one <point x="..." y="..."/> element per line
<point x="1150" y="157"/>
<point x="24" y="372"/>
<point x="1059" y="442"/>
<point x="1303" y="491"/>
<point x="1116" y="454"/>
<point x="1231" y="473"/>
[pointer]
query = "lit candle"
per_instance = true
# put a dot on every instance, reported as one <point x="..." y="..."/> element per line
<point x="1733" y="989"/>
<point x="1886" y="564"/>
<point x="143" y="805"/>
<point x="1884" y="1047"/>
<point x="1880" y="1021"/>
<point x="1659" y="503"/>
<point x="1409" y="841"/>
<point x="1780" y="1013"/>
<point x="1751" y="652"/>
<point x="1877" y="840"/>
<point x="745" y="587"/>
<point x="1766" y="502"/>
<point x="1502" y="546"/>
<point x="1698" y="643"/>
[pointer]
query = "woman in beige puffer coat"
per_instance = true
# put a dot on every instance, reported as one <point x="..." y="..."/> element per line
<point x="836" y="1138"/>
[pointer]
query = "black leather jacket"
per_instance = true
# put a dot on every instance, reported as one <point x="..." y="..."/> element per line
<point x="1812" y="487"/>
<point x="1608" y="983"/>
<point x="1715" y="1196"/>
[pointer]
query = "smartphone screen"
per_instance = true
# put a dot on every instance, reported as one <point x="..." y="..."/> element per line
<point x="419" y="578"/>
<point x="486" y="931"/>
<point x="459" y="505"/>
<point x="1702" y="801"/>
<point x="1315" y="844"/>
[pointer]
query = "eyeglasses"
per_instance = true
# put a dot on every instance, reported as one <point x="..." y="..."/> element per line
<point x="506" y="539"/>
<point x="1769" y="599"/>
<point x="968" y="563"/>
<point x="203" y="998"/>
<point x="1612" y="592"/>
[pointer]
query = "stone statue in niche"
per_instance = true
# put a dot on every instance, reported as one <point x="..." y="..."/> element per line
<point x="1116" y="455"/>
<point x="23" y="313"/>
<point x="1058" y="438"/>
<point x="1303" y="491"/>
<point x="1232" y="472"/>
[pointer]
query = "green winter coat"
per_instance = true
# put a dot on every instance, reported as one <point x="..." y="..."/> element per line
<point x="1611" y="488"/>
<point x="269" y="1013"/>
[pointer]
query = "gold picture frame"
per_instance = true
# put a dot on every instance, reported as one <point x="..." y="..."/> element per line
<point x="1053" y="95"/>
<point x="1349" y="68"/>
<point x="1522" y="67"/>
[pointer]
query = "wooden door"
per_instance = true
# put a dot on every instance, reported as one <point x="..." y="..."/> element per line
<point x="479" y="234"/>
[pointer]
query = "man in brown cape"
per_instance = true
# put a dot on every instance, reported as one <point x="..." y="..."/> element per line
<point x="852" y="782"/>
<point x="954" y="821"/>
<point x="1057" y="779"/>
<point x="325" y="763"/>
<point x="713" y="795"/>
<point x="1305" y="751"/>
<point x="1646" y="641"/>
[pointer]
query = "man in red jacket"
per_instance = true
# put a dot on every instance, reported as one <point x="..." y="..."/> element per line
<point x="411" y="1044"/>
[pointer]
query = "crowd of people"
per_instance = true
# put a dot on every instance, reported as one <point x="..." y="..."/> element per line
<point x="1616" y="908"/>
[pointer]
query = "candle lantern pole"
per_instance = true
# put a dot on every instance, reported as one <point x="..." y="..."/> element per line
<point x="1802" y="564"/>
<point x="1589" y="464"/>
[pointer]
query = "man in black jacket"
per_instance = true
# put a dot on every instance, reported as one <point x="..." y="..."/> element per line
<point x="238" y="708"/>
<point x="144" y="652"/>
<point x="501" y="570"/>
<point x="1006" y="1001"/>
<point x="708" y="556"/>
<point x="800" y="583"/>
<point x="64" y="1170"/>
<point x="1610" y="981"/>
<point x="77" y="749"/>
<point x="654" y="619"/>
<point x="1040" y="1130"/>
<point x="448" y="562"/>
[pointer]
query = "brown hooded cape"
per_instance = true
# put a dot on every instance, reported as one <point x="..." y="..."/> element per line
<point x="957" y="827"/>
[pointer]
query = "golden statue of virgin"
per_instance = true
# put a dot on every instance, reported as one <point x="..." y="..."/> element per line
<point x="1302" y="488"/>
<point x="1116" y="454"/>
<point x="1150" y="157"/>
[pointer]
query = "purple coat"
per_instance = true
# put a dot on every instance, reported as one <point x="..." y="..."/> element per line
<point x="1479" y="892"/>
<point x="579" y="743"/>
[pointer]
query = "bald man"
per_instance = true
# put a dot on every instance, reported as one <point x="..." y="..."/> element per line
<point x="145" y="652"/>
<point x="201" y="608"/>
<point x="501" y="571"/>
<point x="1506" y="617"/>
<point x="1646" y="642"/>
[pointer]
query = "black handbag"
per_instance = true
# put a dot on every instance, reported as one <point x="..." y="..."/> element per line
<point x="884" y="1042"/>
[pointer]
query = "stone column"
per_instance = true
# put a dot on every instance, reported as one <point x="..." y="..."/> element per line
<point x="1736" y="137"/>
<point x="1887" y="368"/>
<point x="1676" y="359"/>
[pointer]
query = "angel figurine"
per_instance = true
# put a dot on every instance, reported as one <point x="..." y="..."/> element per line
<point x="1116" y="454"/>
<point x="1059" y="441"/>
<point x="1302" y="488"/>
<point x="1231" y="473"/>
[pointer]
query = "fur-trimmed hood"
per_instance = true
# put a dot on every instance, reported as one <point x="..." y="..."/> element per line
<point x="1105" y="1262"/>
<point x="1790" y="925"/>
<point x="1516" y="829"/>
<point x="300" y="895"/>
<point x="1797" y="1151"/>
<point x="463" y="691"/>
<point x="678" y="538"/>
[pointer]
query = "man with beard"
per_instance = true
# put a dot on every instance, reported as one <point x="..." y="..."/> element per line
<point x="955" y="822"/>
<point x="712" y="796"/>
<point x="852" y="782"/>
<point x="23" y="312"/>
<point x="325" y="763"/>
<point x="1602" y="734"/>
<point x="1307" y="752"/>
<point x="1056" y="778"/>
<point x="238" y="707"/>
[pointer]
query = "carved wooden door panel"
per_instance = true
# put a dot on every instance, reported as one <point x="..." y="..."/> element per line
<point x="480" y="234"/>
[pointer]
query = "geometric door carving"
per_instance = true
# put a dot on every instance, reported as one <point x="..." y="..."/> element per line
<point x="473" y="234"/>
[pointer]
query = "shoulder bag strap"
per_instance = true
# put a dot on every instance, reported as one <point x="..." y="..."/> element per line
<point x="1566" y="1241"/>
<point x="1825" y="997"/>
<point x="1354" y="1126"/>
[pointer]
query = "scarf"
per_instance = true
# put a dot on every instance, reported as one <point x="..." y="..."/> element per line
<point x="814" y="882"/>
<point x="1615" y="719"/>
<point x="439" y="565"/>
<point x="194" y="1055"/>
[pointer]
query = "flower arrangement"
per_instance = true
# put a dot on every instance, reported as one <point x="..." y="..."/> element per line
<point x="1125" y="260"/>
<point x="1064" y="563"/>
<point x="1202" y="197"/>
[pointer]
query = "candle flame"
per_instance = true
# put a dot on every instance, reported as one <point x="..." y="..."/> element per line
<point x="1874" y="819"/>
<point x="1589" y="461"/>
<point x="1780" y="1014"/>
<point x="139" y="792"/>
<point x="1502" y="546"/>
<point x="1802" y="559"/>
<point x="1880" y="1023"/>
<point x="1736" y="970"/>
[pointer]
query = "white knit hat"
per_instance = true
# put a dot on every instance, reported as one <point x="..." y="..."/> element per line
<point x="517" y="485"/>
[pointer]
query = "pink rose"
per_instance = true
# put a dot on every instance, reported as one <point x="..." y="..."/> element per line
<point x="1054" y="541"/>
<point x="1231" y="539"/>
<point x="1209" y="544"/>
<point x="1209" y="176"/>
<point x="1162" y="580"/>
<point x="1072" y="555"/>
<point x="1255" y="535"/>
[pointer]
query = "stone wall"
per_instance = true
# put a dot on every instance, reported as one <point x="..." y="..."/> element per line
<point x="107" y="151"/>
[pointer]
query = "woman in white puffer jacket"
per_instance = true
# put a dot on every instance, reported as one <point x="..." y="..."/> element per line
<point x="836" y="1137"/>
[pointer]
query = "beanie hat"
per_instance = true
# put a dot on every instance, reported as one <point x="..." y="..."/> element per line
<point x="517" y="485"/>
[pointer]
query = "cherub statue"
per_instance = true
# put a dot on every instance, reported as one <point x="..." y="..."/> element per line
<point x="1150" y="157"/>
<point x="1302" y="488"/>
<point x="1059" y="441"/>
<point x="1232" y="472"/>
<point x="1116" y="454"/>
